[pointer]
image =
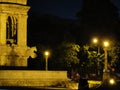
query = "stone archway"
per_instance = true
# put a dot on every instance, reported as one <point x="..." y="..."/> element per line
<point x="11" y="30"/>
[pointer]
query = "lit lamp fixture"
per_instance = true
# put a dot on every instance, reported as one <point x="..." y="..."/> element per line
<point x="46" y="53"/>
<point x="106" y="44"/>
<point x="95" y="40"/>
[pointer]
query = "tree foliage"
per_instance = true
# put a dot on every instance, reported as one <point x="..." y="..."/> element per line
<point x="114" y="54"/>
<point x="68" y="53"/>
<point x="89" y="60"/>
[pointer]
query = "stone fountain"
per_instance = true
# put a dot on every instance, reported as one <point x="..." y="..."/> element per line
<point x="14" y="51"/>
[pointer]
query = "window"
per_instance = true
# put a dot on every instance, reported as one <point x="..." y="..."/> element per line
<point x="11" y="30"/>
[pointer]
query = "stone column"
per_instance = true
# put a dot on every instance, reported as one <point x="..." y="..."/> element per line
<point x="3" y="28"/>
<point x="22" y="30"/>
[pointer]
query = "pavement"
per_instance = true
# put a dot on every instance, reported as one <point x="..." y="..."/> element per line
<point x="107" y="87"/>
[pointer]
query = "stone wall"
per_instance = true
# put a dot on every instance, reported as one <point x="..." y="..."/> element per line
<point x="33" y="78"/>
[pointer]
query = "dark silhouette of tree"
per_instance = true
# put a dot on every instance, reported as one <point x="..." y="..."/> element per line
<point x="66" y="54"/>
<point x="114" y="55"/>
<point x="84" y="61"/>
<point x="99" y="17"/>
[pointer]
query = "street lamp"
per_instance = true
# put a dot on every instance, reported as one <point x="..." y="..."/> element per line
<point x="95" y="41"/>
<point x="105" y="73"/>
<point x="46" y="53"/>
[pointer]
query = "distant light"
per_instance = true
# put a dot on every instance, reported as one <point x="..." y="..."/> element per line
<point x="95" y="40"/>
<point x="112" y="81"/>
<point x="106" y="43"/>
<point x="46" y="53"/>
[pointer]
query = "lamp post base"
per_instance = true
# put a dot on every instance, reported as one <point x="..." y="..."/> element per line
<point x="106" y="76"/>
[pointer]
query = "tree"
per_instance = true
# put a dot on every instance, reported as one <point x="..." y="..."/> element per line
<point x="68" y="53"/>
<point x="83" y="55"/>
<point x="98" y="18"/>
<point x="89" y="60"/>
<point x="114" y="55"/>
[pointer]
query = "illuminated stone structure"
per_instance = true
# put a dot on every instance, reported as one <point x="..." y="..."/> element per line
<point x="33" y="78"/>
<point x="14" y="50"/>
<point x="13" y="33"/>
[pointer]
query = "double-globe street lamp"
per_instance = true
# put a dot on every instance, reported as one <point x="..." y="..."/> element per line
<point x="105" y="71"/>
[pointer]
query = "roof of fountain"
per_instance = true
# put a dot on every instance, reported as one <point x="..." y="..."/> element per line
<point x="24" y="2"/>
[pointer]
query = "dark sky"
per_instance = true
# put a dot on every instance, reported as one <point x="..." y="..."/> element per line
<point x="61" y="8"/>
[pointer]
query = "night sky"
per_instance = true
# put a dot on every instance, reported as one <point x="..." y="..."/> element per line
<point x="60" y="8"/>
<point x="55" y="27"/>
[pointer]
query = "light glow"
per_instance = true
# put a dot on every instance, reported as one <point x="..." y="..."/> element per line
<point x="95" y="40"/>
<point x="112" y="81"/>
<point x="106" y="43"/>
<point x="46" y="53"/>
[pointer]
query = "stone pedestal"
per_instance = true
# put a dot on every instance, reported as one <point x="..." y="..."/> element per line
<point x="106" y="77"/>
<point x="33" y="78"/>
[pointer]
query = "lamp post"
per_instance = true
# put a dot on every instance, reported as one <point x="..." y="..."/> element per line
<point x="46" y="53"/>
<point x="95" y="41"/>
<point x="105" y="72"/>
